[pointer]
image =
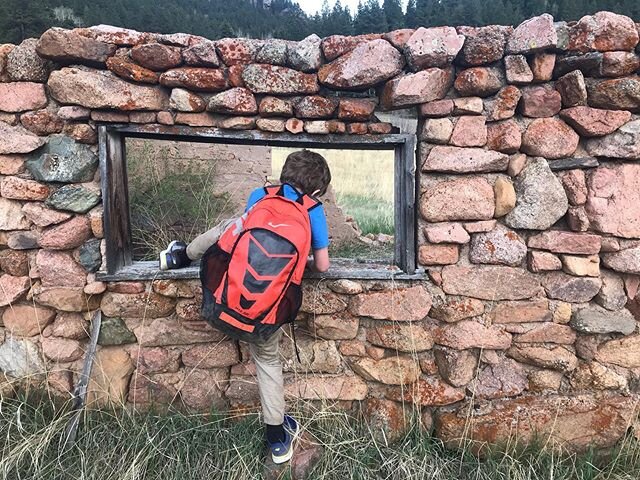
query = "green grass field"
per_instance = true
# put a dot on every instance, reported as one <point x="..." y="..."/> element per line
<point x="117" y="445"/>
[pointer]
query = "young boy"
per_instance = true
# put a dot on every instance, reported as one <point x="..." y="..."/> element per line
<point x="304" y="172"/>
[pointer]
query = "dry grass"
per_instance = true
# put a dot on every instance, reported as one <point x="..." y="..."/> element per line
<point x="118" y="445"/>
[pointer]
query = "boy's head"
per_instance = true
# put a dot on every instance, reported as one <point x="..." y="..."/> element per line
<point x="307" y="171"/>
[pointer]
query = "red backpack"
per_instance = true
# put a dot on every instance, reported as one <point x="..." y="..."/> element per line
<point x="251" y="277"/>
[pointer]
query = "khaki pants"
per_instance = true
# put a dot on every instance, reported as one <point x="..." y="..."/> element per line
<point x="266" y="355"/>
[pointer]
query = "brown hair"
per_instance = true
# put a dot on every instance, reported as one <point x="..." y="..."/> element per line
<point x="307" y="171"/>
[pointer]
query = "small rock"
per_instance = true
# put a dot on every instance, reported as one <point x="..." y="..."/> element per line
<point x="615" y="94"/>
<point x="624" y="143"/>
<point x="604" y="31"/>
<point x="367" y="65"/>
<point x="101" y="89"/>
<point x="625" y="261"/>
<point x="572" y="89"/>
<point x="202" y="54"/>
<point x="438" y="108"/>
<point x="543" y="262"/>
<point x="17" y="188"/>
<point x="566" y="242"/>
<point x="386" y="419"/>
<point x="446" y="233"/>
<point x="236" y="101"/>
<point x="504" y="136"/>
<point x="13" y="289"/>
<point x="541" y="198"/>
<point x="593" y="122"/>
<point x="479" y="81"/>
<point x="483" y="45"/>
<point x="63" y="160"/>
<point x="397" y="370"/>
<point x="156" y="57"/>
<point x="403" y="337"/>
<point x="425" y="86"/>
<point x="516" y="164"/>
<point x="581" y="266"/>
<point x="23" y="63"/>
<point x="433" y="47"/>
<point x="276" y="80"/>
<point x="27" y="320"/>
<point x="549" y="138"/>
<point x="464" y="160"/>
<point x="467" y="334"/>
<point x="490" y="282"/>
<point x="125" y="68"/>
<point x="439" y="254"/>
<point x="437" y="130"/>
<point x="315" y="107"/>
<point x="305" y="55"/>
<point x="619" y="64"/>
<point x="503" y="105"/>
<point x="500" y="247"/>
<point x="455" y="309"/>
<point x="505" y="379"/>
<point x="561" y="286"/>
<point x="73" y="198"/>
<point x="540" y="102"/>
<point x="542" y="65"/>
<point x="470" y="131"/>
<point x="468" y="106"/>
<point x="575" y="186"/>
<point x="556" y="358"/>
<point x="17" y="139"/>
<point x="457" y="367"/>
<point x="593" y="319"/>
<point x="612" y="295"/>
<point x="505" y="196"/>
<point x="238" y="51"/>
<point x="428" y="391"/>
<point x="195" y="78"/>
<point x="517" y="69"/>
<point x="624" y="352"/>
<point x="521" y="312"/>
<point x="577" y="219"/>
<point x="535" y="34"/>
<point x="16" y="97"/>
<point x="480" y="227"/>
<point x="458" y="199"/>
<point x="186" y="101"/>
<point x="66" y="47"/>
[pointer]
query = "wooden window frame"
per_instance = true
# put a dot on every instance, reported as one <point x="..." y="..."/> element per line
<point x="115" y="195"/>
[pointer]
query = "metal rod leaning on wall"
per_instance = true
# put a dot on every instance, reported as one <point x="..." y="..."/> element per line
<point x="80" y="392"/>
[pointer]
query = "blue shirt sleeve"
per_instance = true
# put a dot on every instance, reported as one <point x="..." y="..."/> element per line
<point x="319" y="228"/>
<point x="255" y="196"/>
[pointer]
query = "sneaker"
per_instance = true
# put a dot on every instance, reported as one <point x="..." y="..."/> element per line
<point x="282" y="452"/>
<point x="175" y="256"/>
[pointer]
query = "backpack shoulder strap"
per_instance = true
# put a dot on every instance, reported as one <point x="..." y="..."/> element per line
<point x="307" y="201"/>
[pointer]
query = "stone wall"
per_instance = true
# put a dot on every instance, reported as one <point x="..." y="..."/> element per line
<point x="529" y="223"/>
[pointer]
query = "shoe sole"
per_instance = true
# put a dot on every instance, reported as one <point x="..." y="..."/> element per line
<point x="163" y="256"/>
<point x="287" y="456"/>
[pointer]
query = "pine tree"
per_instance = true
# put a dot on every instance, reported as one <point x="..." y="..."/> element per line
<point x="393" y="14"/>
<point x="410" y="16"/>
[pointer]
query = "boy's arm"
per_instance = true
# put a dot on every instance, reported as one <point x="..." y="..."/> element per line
<point x="320" y="261"/>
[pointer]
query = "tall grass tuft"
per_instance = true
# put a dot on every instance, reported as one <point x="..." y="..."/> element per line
<point x="170" y="200"/>
<point x="174" y="445"/>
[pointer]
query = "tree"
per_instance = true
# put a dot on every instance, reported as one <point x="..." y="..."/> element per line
<point x="24" y="18"/>
<point x="410" y="19"/>
<point x="393" y="14"/>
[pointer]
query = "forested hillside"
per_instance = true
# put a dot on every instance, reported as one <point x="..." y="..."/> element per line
<point x="282" y="18"/>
